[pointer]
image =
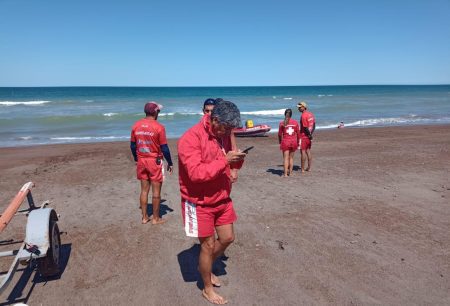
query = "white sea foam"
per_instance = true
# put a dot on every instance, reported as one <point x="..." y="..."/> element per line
<point x="385" y="121"/>
<point x="266" y="112"/>
<point x="110" y="114"/>
<point x="287" y="98"/>
<point x="411" y="119"/>
<point x="25" y="138"/>
<point x="166" y="114"/>
<point x="27" y="103"/>
<point x="90" y="138"/>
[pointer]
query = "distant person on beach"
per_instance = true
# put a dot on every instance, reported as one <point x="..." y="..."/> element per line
<point x="341" y="125"/>
<point x="288" y="138"/>
<point x="307" y="127"/>
<point x="208" y="106"/>
<point x="148" y="145"/>
<point x="205" y="159"/>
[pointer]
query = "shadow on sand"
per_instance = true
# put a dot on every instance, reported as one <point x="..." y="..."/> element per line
<point x="17" y="294"/>
<point x="163" y="209"/>
<point x="188" y="261"/>
<point x="280" y="172"/>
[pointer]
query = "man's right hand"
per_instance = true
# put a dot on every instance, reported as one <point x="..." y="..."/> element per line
<point x="233" y="156"/>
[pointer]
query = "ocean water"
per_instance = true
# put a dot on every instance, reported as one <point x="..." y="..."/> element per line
<point x="48" y="115"/>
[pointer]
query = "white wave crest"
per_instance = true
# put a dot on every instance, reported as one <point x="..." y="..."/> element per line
<point x="266" y="112"/>
<point x="387" y="121"/>
<point x="411" y="119"/>
<point x="287" y="98"/>
<point x="90" y="138"/>
<point x="27" y="103"/>
<point x="110" y="114"/>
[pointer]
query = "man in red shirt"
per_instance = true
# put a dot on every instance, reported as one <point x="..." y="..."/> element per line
<point x="148" y="145"/>
<point x="208" y="106"/>
<point x="307" y="127"/>
<point x="205" y="159"/>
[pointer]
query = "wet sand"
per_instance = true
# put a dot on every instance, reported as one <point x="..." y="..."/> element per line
<point x="369" y="225"/>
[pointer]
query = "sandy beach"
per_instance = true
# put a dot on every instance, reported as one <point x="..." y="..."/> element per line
<point x="368" y="226"/>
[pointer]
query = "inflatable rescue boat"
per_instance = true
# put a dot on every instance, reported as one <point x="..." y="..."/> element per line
<point x="251" y="130"/>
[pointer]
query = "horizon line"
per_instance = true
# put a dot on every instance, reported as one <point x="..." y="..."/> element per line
<point x="215" y="86"/>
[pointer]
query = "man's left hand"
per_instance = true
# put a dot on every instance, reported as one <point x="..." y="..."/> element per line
<point x="170" y="169"/>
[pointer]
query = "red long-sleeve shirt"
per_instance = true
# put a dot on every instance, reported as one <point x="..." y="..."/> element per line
<point x="204" y="173"/>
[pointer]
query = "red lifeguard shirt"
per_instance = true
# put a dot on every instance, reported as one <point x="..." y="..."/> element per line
<point x="148" y="134"/>
<point x="291" y="130"/>
<point x="306" y="121"/>
<point x="204" y="173"/>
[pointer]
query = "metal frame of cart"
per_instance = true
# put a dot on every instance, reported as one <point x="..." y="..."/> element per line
<point x="42" y="243"/>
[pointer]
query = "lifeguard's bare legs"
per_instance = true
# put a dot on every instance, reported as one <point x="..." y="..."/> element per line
<point x="210" y="250"/>
<point x="288" y="162"/>
<point x="291" y="162"/>
<point x="306" y="154"/>
<point x="143" y="200"/>
<point x="156" y="201"/>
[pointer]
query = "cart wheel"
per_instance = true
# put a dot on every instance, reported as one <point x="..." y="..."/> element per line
<point x="49" y="265"/>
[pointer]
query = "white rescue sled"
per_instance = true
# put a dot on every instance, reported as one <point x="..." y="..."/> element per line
<point x="42" y="241"/>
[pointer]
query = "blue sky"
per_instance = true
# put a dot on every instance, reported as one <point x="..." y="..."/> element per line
<point x="223" y="43"/>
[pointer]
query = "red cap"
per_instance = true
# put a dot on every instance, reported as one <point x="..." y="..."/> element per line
<point x="151" y="108"/>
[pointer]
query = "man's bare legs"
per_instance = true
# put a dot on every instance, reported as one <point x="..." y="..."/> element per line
<point x="156" y="202"/>
<point x="209" y="251"/>
<point x="309" y="154"/>
<point x="306" y="154"/>
<point x="303" y="159"/>
<point x="143" y="200"/>
<point x="286" y="163"/>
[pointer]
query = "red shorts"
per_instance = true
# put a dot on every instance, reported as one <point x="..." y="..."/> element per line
<point x="289" y="144"/>
<point x="305" y="143"/>
<point x="148" y="170"/>
<point x="200" y="220"/>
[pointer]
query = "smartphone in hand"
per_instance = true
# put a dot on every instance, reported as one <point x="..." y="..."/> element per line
<point x="247" y="149"/>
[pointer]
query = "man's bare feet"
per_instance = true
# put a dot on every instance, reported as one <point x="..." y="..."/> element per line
<point x="158" y="221"/>
<point x="145" y="220"/>
<point x="213" y="297"/>
<point x="215" y="280"/>
<point x="308" y="169"/>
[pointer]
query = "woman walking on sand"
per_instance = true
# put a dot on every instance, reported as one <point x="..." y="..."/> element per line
<point x="288" y="138"/>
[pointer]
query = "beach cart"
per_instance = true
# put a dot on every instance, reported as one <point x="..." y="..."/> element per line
<point x="42" y="238"/>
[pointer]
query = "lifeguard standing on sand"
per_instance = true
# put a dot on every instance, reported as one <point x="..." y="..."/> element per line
<point x="205" y="159"/>
<point x="288" y="138"/>
<point x="307" y="127"/>
<point x="148" y="145"/>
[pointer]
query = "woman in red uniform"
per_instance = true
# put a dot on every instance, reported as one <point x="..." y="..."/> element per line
<point x="288" y="138"/>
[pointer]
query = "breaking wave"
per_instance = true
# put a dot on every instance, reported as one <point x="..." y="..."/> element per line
<point x="26" y="103"/>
